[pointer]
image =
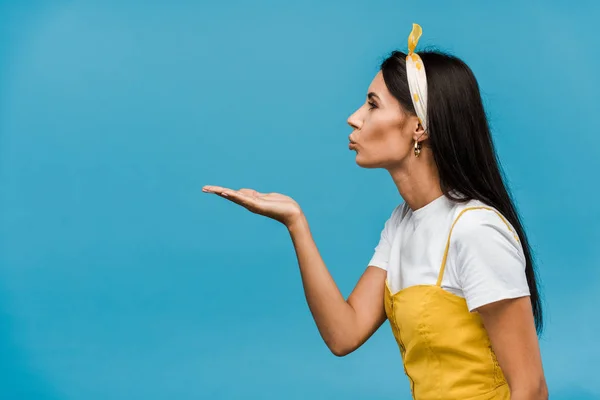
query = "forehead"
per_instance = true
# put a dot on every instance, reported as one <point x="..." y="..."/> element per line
<point x="379" y="87"/>
<point x="377" y="82"/>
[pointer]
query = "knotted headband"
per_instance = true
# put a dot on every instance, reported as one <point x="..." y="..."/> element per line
<point x="415" y="74"/>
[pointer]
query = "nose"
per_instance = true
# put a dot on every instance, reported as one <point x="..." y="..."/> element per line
<point x="354" y="121"/>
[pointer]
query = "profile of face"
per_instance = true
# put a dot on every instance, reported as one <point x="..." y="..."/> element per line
<point x="384" y="133"/>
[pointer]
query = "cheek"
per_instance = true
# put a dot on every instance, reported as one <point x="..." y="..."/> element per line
<point x="396" y="142"/>
<point x="384" y="141"/>
<point x="386" y="131"/>
<point x="377" y="127"/>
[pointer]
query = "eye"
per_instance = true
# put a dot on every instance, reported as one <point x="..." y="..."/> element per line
<point x="372" y="105"/>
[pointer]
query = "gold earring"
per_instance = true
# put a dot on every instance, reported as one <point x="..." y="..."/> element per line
<point x="417" y="148"/>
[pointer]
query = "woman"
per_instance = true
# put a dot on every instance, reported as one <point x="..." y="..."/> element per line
<point x="452" y="271"/>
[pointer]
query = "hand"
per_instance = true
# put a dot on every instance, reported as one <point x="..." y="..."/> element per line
<point x="273" y="205"/>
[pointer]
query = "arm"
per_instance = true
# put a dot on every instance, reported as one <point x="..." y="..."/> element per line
<point x="343" y="325"/>
<point x="491" y="270"/>
<point x="511" y="329"/>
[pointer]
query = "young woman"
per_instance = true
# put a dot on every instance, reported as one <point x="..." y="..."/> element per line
<point x="452" y="271"/>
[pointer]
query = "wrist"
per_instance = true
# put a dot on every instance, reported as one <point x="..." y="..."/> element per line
<point x="296" y="222"/>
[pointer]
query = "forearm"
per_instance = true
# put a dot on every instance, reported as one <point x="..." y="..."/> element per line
<point x="335" y="318"/>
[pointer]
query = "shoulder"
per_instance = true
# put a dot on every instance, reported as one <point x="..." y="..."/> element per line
<point x="486" y="255"/>
<point x="382" y="250"/>
<point x="400" y="211"/>
<point x="397" y="215"/>
<point x="477" y="224"/>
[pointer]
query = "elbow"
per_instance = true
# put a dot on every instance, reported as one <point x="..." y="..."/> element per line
<point x="340" y="348"/>
<point x="540" y="391"/>
<point x="340" y="351"/>
<point x="543" y="391"/>
<point x="537" y="391"/>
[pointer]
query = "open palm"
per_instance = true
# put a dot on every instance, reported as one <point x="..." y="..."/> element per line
<point x="277" y="206"/>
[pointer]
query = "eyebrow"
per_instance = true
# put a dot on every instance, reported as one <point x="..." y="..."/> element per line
<point x="373" y="94"/>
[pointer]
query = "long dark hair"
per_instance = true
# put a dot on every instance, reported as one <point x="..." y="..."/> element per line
<point x="461" y="142"/>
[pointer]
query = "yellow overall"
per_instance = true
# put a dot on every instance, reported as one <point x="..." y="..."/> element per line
<point x="445" y="348"/>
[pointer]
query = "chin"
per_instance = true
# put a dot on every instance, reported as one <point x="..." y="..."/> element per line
<point x="367" y="163"/>
<point x="361" y="162"/>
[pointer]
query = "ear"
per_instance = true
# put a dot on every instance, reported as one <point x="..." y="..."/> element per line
<point x="419" y="133"/>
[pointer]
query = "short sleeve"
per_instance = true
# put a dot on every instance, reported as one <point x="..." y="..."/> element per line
<point x="381" y="255"/>
<point x="489" y="260"/>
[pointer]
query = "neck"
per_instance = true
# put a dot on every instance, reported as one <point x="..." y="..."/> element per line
<point x="417" y="181"/>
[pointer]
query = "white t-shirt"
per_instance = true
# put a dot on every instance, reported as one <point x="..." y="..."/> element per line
<point x="485" y="260"/>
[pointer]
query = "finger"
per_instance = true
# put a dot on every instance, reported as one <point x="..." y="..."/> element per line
<point x="213" y="189"/>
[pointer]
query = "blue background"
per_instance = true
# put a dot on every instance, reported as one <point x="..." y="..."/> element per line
<point x="120" y="279"/>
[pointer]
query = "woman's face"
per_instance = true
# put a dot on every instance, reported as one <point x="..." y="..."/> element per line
<point x="383" y="132"/>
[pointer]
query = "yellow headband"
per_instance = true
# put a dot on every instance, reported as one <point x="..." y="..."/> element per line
<point x="415" y="74"/>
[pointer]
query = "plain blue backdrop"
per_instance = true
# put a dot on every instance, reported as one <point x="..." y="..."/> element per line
<point x="120" y="279"/>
